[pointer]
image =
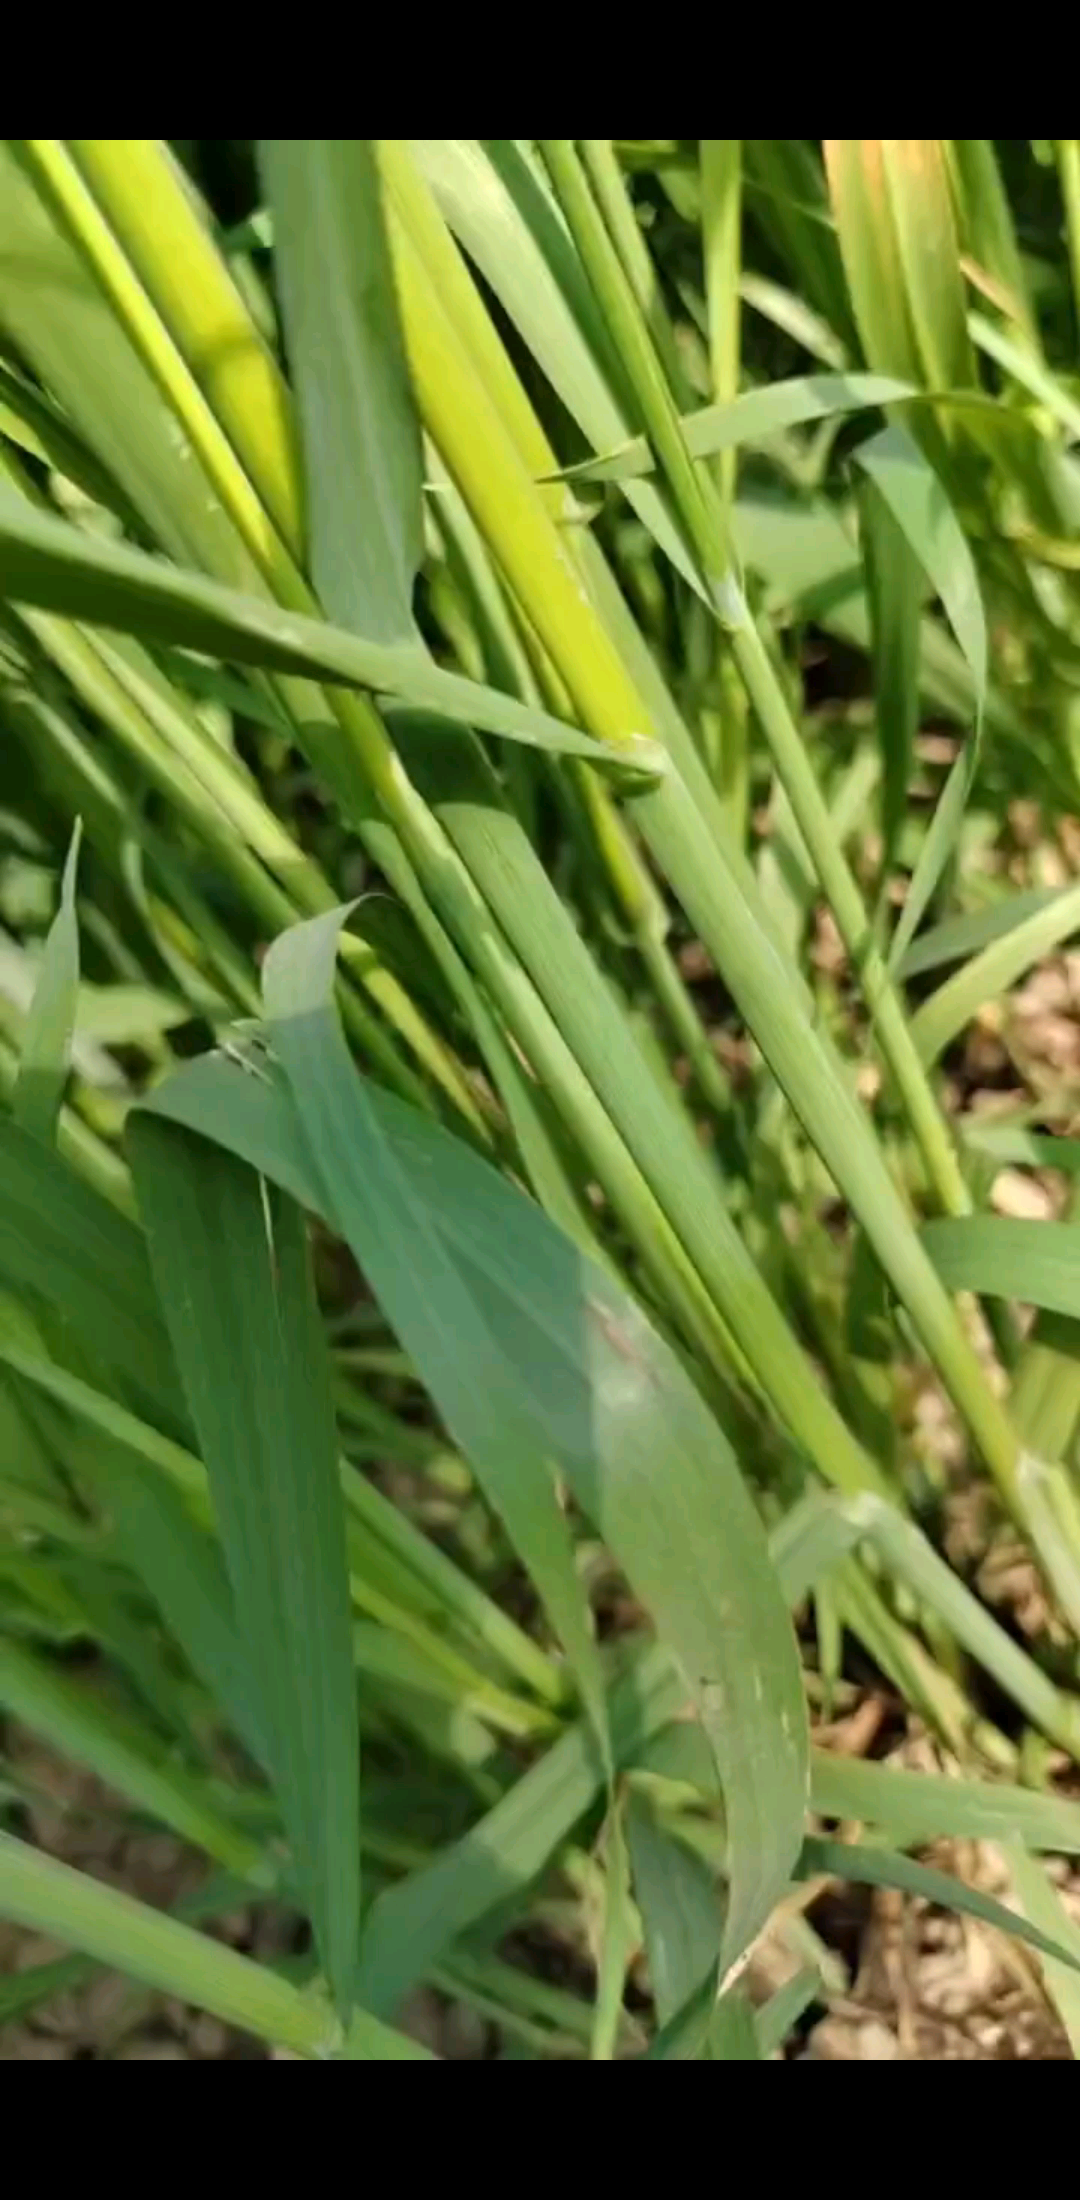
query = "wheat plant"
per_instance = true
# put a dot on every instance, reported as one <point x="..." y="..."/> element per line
<point x="465" y="1263"/>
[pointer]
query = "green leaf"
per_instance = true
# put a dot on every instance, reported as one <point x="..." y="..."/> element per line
<point x="182" y="1568"/>
<point x="64" y="1244"/>
<point x="685" y="2036"/>
<point x="35" y="426"/>
<point x="913" y="495"/>
<point x="922" y="511"/>
<point x="787" y="311"/>
<point x="918" y="187"/>
<point x="610" y="1405"/>
<point x="781" y="2013"/>
<point x="126" y="1756"/>
<point x="1029" y="371"/>
<point x="987" y="226"/>
<point x="44" y="1981"/>
<point x="894" y="589"/>
<point x="101" y="1412"/>
<point x="821" y="1531"/>
<point x="915" y="1808"/>
<point x="495" y="1863"/>
<point x="60" y="320"/>
<point x="50" y="1025"/>
<point x="45" y="562"/>
<point x="231" y="1261"/>
<point x="1045" y="1909"/>
<point x="1022" y="1149"/>
<point x="788" y="196"/>
<point x="865" y="1867"/>
<point x="1002" y="1258"/>
<point x="858" y="187"/>
<point x="361" y="437"/>
<point x="497" y="203"/>
<point x="47" y="1897"/>
<point x="27" y="1990"/>
<point x="756" y="417"/>
<point x="618" y="1941"/>
<point x="721" y="223"/>
<point x="424" y="1293"/>
<point x="958" y="938"/>
<point x="680" y="1911"/>
<point x="128" y="1015"/>
<point x="991" y="973"/>
<point x="733" y="2032"/>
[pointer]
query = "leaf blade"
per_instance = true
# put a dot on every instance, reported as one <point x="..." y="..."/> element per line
<point x="46" y="562"/>
<point x="916" y="501"/>
<point x="233" y="1268"/>
<point x="885" y="1868"/>
<point x="47" y="1897"/>
<point x="50" y="1025"/>
<point x="361" y="436"/>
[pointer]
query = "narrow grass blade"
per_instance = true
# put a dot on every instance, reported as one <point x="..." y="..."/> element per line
<point x="894" y="591"/>
<point x="618" y="1941"/>
<point x="858" y="187"/>
<point x="231" y="1257"/>
<point x="424" y="1293"/>
<point x="685" y="2036"/>
<point x="1023" y="1149"/>
<point x="790" y="313"/>
<point x="63" y="1243"/>
<point x="918" y="187"/>
<point x="733" y="2032"/>
<point x="1044" y="1909"/>
<point x="126" y="1756"/>
<point x="922" y="511"/>
<point x="99" y="1411"/>
<point x="28" y="1990"/>
<point x="786" y="189"/>
<point x="959" y="938"/>
<point x="498" y="206"/>
<point x="993" y="972"/>
<point x="412" y="1924"/>
<point x="987" y="228"/>
<point x="44" y="1981"/>
<point x="50" y="1025"/>
<point x="181" y="1566"/>
<point x="721" y="192"/>
<point x="360" y="432"/>
<point x="1047" y="389"/>
<point x="917" y="502"/>
<point x="1001" y="1257"/>
<point x="916" y="1808"/>
<point x="821" y="1531"/>
<point x="756" y="417"/>
<point x="46" y="1897"/>
<point x="36" y="427"/>
<point x="783" y="2011"/>
<point x="680" y="1911"/>
<point x="44" y="561"/>
<point x="865" y="1867"/>
<point x="62" y="324"/>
